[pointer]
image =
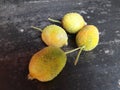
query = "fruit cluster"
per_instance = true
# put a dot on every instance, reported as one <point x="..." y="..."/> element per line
<point x="47" y="63"/>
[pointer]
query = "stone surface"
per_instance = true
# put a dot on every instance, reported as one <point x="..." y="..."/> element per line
<point x="97" y="70"/>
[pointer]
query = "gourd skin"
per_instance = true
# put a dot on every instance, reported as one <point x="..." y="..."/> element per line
<point x="88" y="37"/>
<point x="54" y="35"/>
<point x="73" y="22"/>
<point x="47" y="63"/>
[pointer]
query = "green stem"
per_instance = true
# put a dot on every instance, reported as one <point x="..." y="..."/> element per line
<point x="73" y="50"/>
<point x="36" y="28"/>
<point x="77" y="58"/>
<point x="53" y="20"/>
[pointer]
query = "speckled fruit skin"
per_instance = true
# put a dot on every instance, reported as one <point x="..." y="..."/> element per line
<point x="47" y="63"/>
<point x="54" y="35"/>
<point x="73" y="22"/>
<point x="88" y="36"/>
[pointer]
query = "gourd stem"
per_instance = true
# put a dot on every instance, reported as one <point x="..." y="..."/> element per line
<point x="77" y="58"/>
<point x="36" y="28"/>
<point x="73" y="50"/>
<point x="53" y="20"/>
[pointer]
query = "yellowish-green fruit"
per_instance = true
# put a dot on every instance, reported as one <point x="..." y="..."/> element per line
<point x="54" y="35"/>
<point x="47" y="63"/>
<point x="88" y="37"/>
<point x="73" y="22"/>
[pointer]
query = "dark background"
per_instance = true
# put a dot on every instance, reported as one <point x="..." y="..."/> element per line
<point x="98" y="69"/>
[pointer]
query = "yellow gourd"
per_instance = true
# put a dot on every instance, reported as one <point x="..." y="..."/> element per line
<point x="54" y="35"/>
<point x="71" y="22"/>
<point x="87" y="38"/>
<point x="47" y="63"/>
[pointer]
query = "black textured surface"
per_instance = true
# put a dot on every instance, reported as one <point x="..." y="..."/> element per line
<point x="97" y="70"/>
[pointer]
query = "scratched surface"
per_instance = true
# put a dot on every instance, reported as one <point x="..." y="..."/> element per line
<point x="97" y="70"/>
